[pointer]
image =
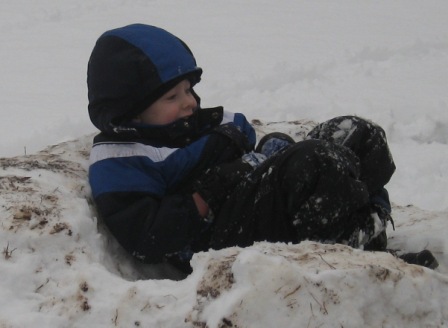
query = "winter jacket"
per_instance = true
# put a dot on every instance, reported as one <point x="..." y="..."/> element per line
<point x="143" y="188"/>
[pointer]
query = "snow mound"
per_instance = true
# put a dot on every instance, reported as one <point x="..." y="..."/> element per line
<point x="61" y="268"/>
<point x="317" y="285"/>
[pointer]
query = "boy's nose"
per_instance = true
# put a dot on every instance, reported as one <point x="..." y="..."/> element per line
<point x="190" y="103"/>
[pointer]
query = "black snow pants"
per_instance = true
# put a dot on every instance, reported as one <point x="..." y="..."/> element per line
<point x="318" y="189"/>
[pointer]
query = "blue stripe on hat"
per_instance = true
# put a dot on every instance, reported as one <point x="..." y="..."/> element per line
<point x="169" y="55"/>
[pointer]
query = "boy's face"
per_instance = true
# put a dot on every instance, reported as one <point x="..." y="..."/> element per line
<point x="176" y="103"/>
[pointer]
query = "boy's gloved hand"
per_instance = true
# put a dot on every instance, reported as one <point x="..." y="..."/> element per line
<point x="233" y="133"/>
<point x="253" y="158"/>
<point x="217" y="183"/>
<point x="273" y="143"/>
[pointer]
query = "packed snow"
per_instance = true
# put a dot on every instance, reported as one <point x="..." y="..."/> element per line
<point x="286" y="65"/>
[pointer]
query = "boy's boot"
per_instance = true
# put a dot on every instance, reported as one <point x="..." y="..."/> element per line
<point x="424" y="258"/>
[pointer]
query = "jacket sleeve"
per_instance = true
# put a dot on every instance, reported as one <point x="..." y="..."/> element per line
<point x="149" y="228"/>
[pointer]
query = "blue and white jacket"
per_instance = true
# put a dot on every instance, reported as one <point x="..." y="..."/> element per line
<point x="143" y="186"/>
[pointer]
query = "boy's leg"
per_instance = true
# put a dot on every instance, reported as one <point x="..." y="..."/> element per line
<point x="311" y="191"/>
<point x="368" y="141"/>
<point x="325" y="198"/>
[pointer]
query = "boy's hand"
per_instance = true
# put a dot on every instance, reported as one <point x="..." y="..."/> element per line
<point x="253" y="158"/>
<point x="201" y="205"/>
<point x="217" y="183"/>
<point x="238" y="138"/>
<point x="273" y="143"/>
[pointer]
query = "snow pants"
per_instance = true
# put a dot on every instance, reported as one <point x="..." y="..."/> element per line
<point x="318" y="189"/>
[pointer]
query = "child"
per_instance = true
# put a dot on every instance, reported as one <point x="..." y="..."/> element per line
<point x="170" y="178"/>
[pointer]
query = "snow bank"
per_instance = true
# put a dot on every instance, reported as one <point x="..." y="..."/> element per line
<point x="61" y="268"/>
<point x="315" y="285"/>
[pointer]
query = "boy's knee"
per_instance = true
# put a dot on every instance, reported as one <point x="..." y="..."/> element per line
<point x="321" y="170"/>
<point x="367" y="140"/>
<point x="320" y="157"/>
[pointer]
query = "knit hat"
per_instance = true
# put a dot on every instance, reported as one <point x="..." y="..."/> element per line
<point x="130" y="68"/>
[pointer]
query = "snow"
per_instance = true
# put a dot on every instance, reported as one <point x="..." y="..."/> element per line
<point x="296" y="61"/>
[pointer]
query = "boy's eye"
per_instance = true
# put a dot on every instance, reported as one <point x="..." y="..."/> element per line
<point x="171" y="96"/>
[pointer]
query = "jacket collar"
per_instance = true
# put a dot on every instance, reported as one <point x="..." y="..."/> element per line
<point x="178" y="134"/>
